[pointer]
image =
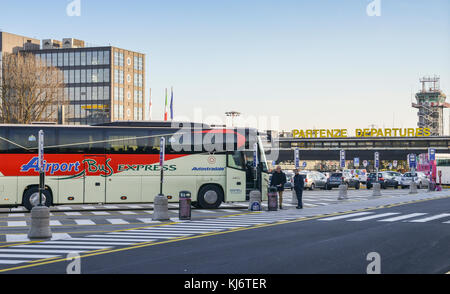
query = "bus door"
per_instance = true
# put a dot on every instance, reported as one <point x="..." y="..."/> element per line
<point x="95" y="172"/>
<point x="236" y="177"/>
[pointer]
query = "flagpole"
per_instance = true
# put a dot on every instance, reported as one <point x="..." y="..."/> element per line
<point x="171" y="105"/>
<point x="150" y="109"/>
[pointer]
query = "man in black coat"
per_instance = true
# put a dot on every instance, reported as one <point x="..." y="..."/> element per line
<point x="299" y="185"/>
<point x="278" y="181"/>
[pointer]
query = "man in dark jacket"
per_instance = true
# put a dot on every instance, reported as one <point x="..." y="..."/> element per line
<point x="299" y="185"/>
<point x="278" y="181"/>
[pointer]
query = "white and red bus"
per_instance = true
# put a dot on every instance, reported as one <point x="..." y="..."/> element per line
<point x="119" y="163"/>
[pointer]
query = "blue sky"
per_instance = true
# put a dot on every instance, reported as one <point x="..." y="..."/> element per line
<point x="315" y="63"/>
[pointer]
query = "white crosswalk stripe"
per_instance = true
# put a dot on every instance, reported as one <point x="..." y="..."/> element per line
<point x="16" y="215"/>
<point x="373" y="217"/>
<point x="147" y="220"/>
<point x="17" y="223"/>
<point x="110" y="239"/>
<point x="427" y="219"/>
<point x="60" y="246"/>
<point x="117" y="221"/>
<point x="87" y="243"/>
<point x="84" y="222"/>
<point x="402" y="217"/>
<point x="126" y="212"/>
<point x="72" y="213"/>
<point x="345" y="216"/>
<point x="100" y="212"/>
<point x="55" y="223"/>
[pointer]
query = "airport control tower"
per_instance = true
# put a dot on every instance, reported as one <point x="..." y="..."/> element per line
<point x="431" y="104"/>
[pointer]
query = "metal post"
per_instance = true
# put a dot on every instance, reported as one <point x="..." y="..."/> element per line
<point x="41" y="166"/>
<point x="255" y="165"/>
<point x="162" y="146"/>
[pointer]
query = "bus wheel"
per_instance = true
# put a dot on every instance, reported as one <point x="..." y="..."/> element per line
<point x="31" y="198"/>
<point x="210" y="196"/>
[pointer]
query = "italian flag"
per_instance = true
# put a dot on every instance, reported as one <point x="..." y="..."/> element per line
<point x="165" y="108"/>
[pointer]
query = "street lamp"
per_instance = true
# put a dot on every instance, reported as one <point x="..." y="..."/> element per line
<point x="232" y="114"/>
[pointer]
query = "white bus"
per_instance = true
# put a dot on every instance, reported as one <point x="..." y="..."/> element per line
<point x="119" y="163"/>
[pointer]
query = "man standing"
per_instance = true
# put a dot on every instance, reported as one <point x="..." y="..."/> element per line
<point x="278" y="181"/>
<point x="299" y="184"/>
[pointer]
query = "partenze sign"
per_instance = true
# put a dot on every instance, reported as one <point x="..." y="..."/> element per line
<point x="343" y="133"/>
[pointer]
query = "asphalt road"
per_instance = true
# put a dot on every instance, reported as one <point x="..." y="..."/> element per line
<point x="310" y="246"/>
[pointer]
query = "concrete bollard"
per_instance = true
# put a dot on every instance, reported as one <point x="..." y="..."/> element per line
<point x="343" y="192"/>
<point x="376" y="189"/>
<point x="431" y="186"/>
<point x="255" y="201"/>
<point x="40" y="223"/>
<point x="161" y="208"/>
<point x="413" y="188"/>
<point x="294" y="197"/>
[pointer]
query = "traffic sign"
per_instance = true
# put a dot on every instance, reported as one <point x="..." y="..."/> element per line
<point x="365" y="163"/>
<point x="431" y="154"/>
<point x="297" y="158"/>
<point x="412" y="160"/>
<point x="255" y="155"/>
<point x="356" y="161"/>
<point x="342" y="158"/>
<point x="162" y="151"/>
<point x="41" y="151"/>
<point x="377" y="160"/>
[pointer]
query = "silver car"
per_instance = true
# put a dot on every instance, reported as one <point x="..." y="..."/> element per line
<point x="314" y="180"/>
<point x="420" y="179"/>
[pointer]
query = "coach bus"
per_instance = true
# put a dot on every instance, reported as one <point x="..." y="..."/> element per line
<point x="119" y="163"/>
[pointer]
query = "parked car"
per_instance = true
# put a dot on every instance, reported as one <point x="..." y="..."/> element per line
<point x="289" y="181"/>
<point x="384" y="179"/>
<point x="336" y="179"/>
<point x="420" y="179"/>
<point x="314" y="180"/>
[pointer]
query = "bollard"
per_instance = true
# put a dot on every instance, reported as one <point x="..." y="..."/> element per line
<point x="184" y="209"/>
<point x="413" y="188"/>
<point x="161" y="208"/>
<point x="431" y="186"/>
<point x="376" y="189"/>
<point x="294" y="197"/>
<point x="255" y="201"/>
<point x="272" y="199"/>
<point x="342" y="192"/>
<point x="40" y="223"/>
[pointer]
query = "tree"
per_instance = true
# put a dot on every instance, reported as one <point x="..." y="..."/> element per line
<point x="30" y="91"/>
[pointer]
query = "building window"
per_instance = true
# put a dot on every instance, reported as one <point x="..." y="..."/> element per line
<point x="128" y="78"/>
<point x="136" y="63"/>
<point x="83" y="58"/>
<point x="135" y="79"/>
<point x="72" y="58"/>
<point x="129" y="95"/>
<point x="121" y="95"/>
<point x="55" y="59"/>
<point x="116" y="58"/>
<point x="77" y="76"/>
<point x="77" y="58"/>
<point x="116" y="94"/>
<point x="106" y="75"/>
<point x="135" y="97"/>
<point x="121" y="59"/>
<point x="72" y="77"/>
<point x="89" y="58"/>
<point x="121" y="77"/>
<point x="100" y="57"/>
<point x="89" y="75"/>
<point x="116" y="76"/>
<point x="106" y="57"/>
<point x="66" y="59"/>
<point x="129" y="61"/>
<point x="83" y="76"/>
<point x="140" y="67"/>
<point x="94" y="76"/>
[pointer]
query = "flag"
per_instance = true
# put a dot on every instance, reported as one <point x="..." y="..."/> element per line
<point x="150" y="108"/>
<point x="171" y="106"/>
<point x="165" y="108"/>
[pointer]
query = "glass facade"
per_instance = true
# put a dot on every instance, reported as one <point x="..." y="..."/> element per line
<point x="102" y="84"/>
<point x="86" y="74"/>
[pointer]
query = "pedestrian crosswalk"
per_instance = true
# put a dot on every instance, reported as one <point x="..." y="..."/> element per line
<point x="389" y="217"/>
<point x="60" y="247"/>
